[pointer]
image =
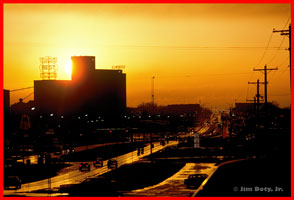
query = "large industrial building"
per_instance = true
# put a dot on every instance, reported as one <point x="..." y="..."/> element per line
<point x="93" y="91"/>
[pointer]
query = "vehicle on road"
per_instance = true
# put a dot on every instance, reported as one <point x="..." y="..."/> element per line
<point x="98" y="162"/>
<point x="162" y="142"/>
<point x="112" y="164"/>
<point x="195" y="180"/>
<point x="69" y="150"/>
<point x="12" y="182"/>
<point x="84" y="166"/>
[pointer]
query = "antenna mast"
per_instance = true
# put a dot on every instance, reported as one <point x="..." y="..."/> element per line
<point x="152" y="94"/>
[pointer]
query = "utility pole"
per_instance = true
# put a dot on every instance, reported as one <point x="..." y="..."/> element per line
<point x="254" y="101"/>
<point x="287" y="33"/>
<point x="257" y="97"/>
<point x="265" y="69"/>
<point x="153" y="107"/>
<point x="255" y="106"/>
<point x="152" y="93"/>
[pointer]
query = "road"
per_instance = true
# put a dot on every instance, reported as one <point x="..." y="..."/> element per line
<point x="72" y="175"/>
<point x="34" y="158"/>
<point x="174" y="186"/>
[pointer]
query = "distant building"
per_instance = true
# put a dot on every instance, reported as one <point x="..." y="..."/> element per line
<point x="21" y="108"/>
<point x="6" y="110"/>
<point x="101" y="92"/>
<point x="181" y="109"/>
<point x="6" y="99"/>
<point x="174" y="109"/>
<point x="244" y="107"/>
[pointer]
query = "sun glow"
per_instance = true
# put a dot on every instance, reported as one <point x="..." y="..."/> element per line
<point x="68" y="67"/>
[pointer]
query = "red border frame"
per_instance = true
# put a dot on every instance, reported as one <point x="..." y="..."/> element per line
<point x="147" y="1"/>
<point x="136" y="1"/>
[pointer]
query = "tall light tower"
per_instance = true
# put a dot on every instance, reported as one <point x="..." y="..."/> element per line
<point x="48" y="68"/>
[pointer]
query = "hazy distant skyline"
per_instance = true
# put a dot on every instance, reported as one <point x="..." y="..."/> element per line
<point x="198" y="53"/>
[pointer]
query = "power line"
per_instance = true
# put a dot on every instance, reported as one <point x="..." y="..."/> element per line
<point x="282" y="71"/>
<point x="287" y="22"/>
<point x="265" y="50"/>
<point x="204" y="75"/>
<point x="265" y="70"/>
<point x="190" y="47"/>
<point x="279" y="95"/>
<point x="248" y="85"/>
<point x="257" y="96"/>
<point x="260" y="61"/>
<point x="286" y="32"/>
<point x="28" y="96"/>
<point x="277" y="52"/>
<point x="21" y="89"/>
<point x="192" y="76"/>
<point x="282" y="39"/>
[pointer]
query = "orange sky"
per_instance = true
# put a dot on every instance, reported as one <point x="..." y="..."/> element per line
<point x="197" y="52"/>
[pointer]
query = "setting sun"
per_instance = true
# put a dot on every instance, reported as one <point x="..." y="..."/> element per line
<point x="67" y="67"/>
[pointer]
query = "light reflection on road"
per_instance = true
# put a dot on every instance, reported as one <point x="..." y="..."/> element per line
<point x="72" y="175"/>
<point x="174" y="186"/>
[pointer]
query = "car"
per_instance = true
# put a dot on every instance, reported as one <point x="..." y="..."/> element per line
<point x="112" y="164"/>
<point x="69" y="150"/>
<point x="195" y="180"/>
<point x="12" y="181"/>
<point x="84" y="166"/>
<point x="98" y="162"/>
